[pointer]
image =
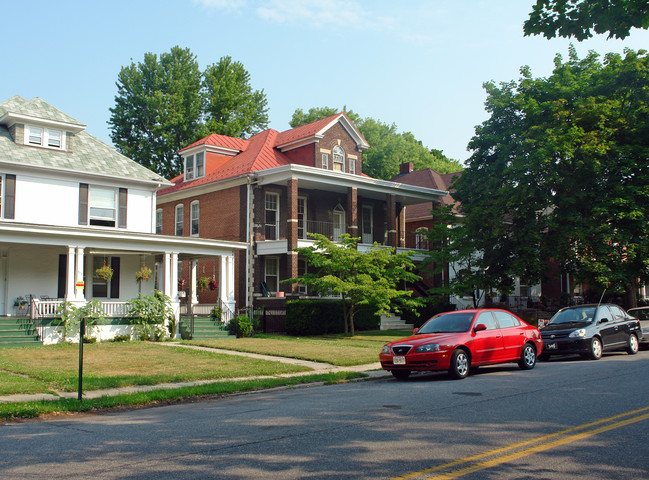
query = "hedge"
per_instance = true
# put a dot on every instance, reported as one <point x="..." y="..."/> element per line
<point x="319" y="317"/>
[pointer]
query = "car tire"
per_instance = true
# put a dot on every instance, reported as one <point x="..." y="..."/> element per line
<point x="460" y="364"/>
<point x="400" y="374"/>
<point x="633" y="346"/>
<point x="544" y="357"/>
<point x="595" y="352"/>
<point x="528" y="357"/>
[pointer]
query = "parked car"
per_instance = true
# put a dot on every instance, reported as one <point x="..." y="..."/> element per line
<point x="461" y="340"/>
<point x="642" y="314"/>
<point x="590" y="330"/>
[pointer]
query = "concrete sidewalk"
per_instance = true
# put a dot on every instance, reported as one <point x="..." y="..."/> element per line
<point x="373" y="370"/>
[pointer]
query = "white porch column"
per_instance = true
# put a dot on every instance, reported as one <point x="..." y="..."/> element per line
<point x="70" y="290"/>
<point x="174" y="277"/>
<point x="193" y="276"/>
<point x="78" y="276"/>
<point x="226" y="281"/>
<point x="166" y="275"/>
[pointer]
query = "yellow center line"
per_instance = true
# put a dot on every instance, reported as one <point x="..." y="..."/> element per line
<point x="545" y="445"/>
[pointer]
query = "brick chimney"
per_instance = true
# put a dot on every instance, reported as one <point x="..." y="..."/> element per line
<point x="405" y="168"/>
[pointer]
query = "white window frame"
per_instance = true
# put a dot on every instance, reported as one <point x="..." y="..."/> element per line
<point x="421" y="239"/>
<point x="325" y="161"/>
<point x="340" y="215"/>
<point x="302" y="288"/>
<point x="97" y="218"/>
<point x="276" y="210"/>
<point x="352" y="166"/>
<point x="194" y="209"/>
<point x="367" y="236"/>
<point x="179" y="220"/>
<point x="194" y="166"/>
<point x="271" y="261"/>
<point x="301" y="217"/>
<point x="339" y="158"/>
<point x="158" y="221"/>
<point x="45" y="137"/>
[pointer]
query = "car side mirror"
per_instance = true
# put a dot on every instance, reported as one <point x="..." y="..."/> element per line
<point x="604" y="320"/>
<point x="479" y="327"/>
<point x="414" y="332"/>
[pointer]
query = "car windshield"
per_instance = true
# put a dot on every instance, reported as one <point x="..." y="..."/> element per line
<point x="574" y="315"/>
<point x="448" y="323"/>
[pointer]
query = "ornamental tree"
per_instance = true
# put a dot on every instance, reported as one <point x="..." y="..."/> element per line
<point x="372" y="277"/>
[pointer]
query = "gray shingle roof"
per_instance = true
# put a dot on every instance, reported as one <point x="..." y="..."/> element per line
<point x="88" y="154"/>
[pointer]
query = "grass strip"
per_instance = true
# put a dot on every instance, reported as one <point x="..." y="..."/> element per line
<point x="22" y="410"/>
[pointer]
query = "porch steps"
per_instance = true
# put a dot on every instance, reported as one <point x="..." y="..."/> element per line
<point x="207" y="328"/>
<point x="393" y="322"/>
<point x="17" y="332"/>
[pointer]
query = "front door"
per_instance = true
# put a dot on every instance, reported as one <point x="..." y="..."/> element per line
<point x="338" y="222"/>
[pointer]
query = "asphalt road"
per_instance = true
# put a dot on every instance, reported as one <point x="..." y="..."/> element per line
<point x="564" y="419"/>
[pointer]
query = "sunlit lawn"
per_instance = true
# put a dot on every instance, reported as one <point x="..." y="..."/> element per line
<point x="334" y="349"/>
<point x="110" y="365"/>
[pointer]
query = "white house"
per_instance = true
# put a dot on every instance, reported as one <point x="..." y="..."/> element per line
<point x="70" y="204"/>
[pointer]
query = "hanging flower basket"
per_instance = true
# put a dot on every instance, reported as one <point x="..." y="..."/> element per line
<point x="213" y="284"/>
<point x="144" y="273"/>
<point x="104" y="272"/>
<point x="202" y="283"/>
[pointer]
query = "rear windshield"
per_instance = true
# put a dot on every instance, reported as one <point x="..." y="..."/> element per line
<point x="448" y="323"/>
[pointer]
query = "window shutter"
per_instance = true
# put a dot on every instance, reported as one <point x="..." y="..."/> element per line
<point x="121" y="214"/>
<point x="114" y="281"/>
<point x="10" y="196"/>
<point x="83" y="204"/>
<point x="63" y="275"/>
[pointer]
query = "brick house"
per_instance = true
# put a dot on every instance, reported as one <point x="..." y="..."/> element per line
<point x="273" y="189"/>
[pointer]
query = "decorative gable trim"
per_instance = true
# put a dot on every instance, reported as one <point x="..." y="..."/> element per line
<point x="349" y="127"/>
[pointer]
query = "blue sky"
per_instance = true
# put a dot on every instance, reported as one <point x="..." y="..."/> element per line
<point x="419" y="63"/>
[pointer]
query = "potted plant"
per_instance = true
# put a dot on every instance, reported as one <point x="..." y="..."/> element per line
<point x="143" y="274"/>
<point x="104" y="272"/>
<point x="181" y="287"/>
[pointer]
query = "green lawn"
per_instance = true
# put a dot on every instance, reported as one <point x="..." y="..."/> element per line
<point x="333" y="349"/>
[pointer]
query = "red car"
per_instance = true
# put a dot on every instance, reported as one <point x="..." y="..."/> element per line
<point x="458" y="341"/>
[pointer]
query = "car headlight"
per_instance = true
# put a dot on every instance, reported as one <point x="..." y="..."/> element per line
<point x="385" y="349"/>
<point x="429" y="347"/>
<point x="581" y="333"/>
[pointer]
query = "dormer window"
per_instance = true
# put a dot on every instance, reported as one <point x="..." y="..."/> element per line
<point x="44" y="137"/>
<point x="339" y="158"/>
<point x="194" y="166"/>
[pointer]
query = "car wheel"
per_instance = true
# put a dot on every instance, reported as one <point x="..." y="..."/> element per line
<point x="633" y="345"/>
<point x="460" y="364"/>
<point x="400" y="374"/>
<point x="528" y="357"/>
<point x="595" y="349"/>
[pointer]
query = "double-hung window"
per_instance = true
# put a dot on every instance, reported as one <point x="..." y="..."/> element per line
<point x="195" y="211"/>
<point x="272" y="216"/>
<point x="180" y="219"/>
<point x="271" y="274"/>
<point x="325" y="161"/>
<point x="102" y="206"/>
<point x="339" y="158"/>
<point x="301" y="217"/>
<point x="44" y="137"/>
<point x="194" y="166"/>
<point x="158" y="221"/>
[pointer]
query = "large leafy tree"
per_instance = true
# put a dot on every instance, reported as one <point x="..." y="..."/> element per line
<point x="372" y="277"/>
<point x="232" y="107"/>
<point x="560" y="170"/>
<point x="388" y="147"/>
<point x="576" y="18"/>
<point x="164" y="103"/>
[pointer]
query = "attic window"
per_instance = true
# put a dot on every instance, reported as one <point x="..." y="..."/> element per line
<point x="44" y="137"/>
<point x="339" y="158"/>
<point x="194" y="166"/>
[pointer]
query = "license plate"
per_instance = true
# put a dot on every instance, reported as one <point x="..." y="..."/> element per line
<point x="551" y="346"/>
<point x="399" y="360"/>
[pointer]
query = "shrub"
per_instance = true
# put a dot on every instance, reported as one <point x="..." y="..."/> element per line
<point x="216" y="313"/>
<point x="241" y="326"/>
<point x="121" y="338"/>
<point x="320" y="317"/>
<point x="148" y="314"/>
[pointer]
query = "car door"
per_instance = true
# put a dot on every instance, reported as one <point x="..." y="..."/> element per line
<point x="608" y="327"/>
<point x="513" y="335"/>
<point x="622" y="326"/>
<point x="487" y="345"/>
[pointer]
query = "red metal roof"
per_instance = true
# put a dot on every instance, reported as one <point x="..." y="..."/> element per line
<point x="257" y="153"/>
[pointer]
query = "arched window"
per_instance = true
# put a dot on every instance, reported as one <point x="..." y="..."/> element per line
<point x="339" y="158"/>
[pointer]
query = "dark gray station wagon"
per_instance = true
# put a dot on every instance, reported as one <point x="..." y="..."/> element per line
<point x="590" y="330"/>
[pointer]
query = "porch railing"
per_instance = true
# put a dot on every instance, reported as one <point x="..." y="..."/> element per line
<point x="205" y="309"/>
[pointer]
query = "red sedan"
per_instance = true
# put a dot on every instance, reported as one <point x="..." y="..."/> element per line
<point x="458" y="341"/>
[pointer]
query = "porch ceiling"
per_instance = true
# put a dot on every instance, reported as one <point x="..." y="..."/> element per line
<point x="115" y="240"/>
